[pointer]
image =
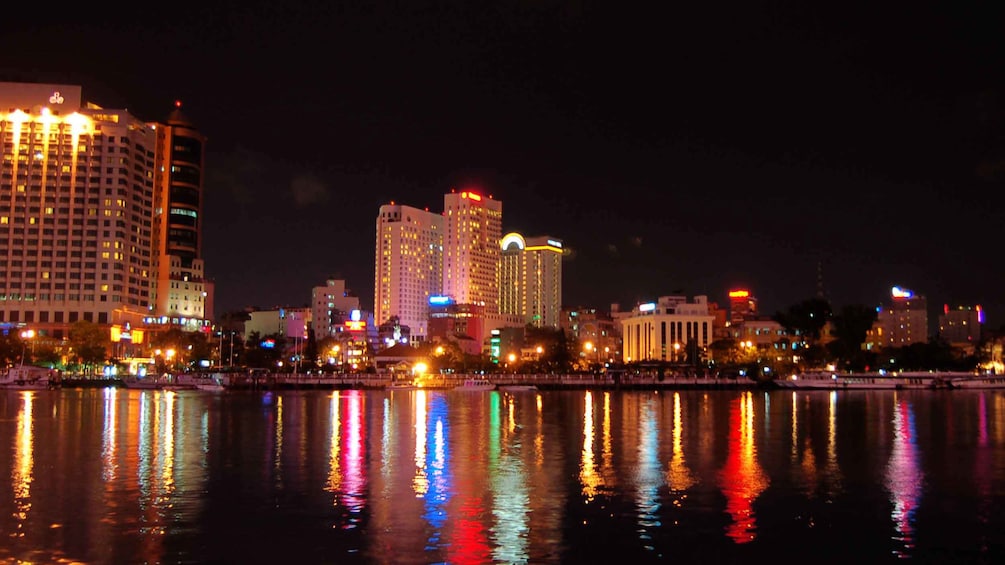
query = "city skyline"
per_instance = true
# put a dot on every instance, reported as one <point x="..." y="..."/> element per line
<point x="686" y="149"/>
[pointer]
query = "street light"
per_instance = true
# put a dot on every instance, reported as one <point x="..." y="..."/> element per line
<point x="26" y="336"/>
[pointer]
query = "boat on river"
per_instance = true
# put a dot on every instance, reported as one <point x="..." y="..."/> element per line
<point x="402" y="385"/>
<point x="475" y="385"/>
<point x="29" y="377"/>
<point x="971" y="381"/>
<point x="517" y="388"/>
<point x="157" y="382"/>
<point x="831" y="380"/>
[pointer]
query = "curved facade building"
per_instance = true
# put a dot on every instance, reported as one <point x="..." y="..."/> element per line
<point x="181" y="295"/>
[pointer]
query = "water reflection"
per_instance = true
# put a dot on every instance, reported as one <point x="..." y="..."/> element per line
<point x="118" y="476"/>
<point x="678" y="476"/>
<point x="904" y="477"/>
<point x="24" y="462"/>
<point x="742" y="480"/>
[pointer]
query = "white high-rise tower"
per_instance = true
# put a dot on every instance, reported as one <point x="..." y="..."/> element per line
<point x="409" y="266"/>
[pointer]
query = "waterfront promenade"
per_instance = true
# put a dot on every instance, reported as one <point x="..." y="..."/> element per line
<point x="572" y="381"/>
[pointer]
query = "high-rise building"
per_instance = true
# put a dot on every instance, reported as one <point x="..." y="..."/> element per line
<point x="409" y="266"/>
<point x="530" y="279"/>
<point x="472" y="231"/>
<point x="179" y="293"/>
<point x="100" y="214"/>
<point x="904" y="321"/>
<point x="76" y="200"/>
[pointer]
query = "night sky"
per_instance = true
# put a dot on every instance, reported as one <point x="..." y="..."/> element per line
<point x="675" y="148"/>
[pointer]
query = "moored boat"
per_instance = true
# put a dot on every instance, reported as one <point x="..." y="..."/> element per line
<point x="402" y="385"/>
<point x="475" y="385"/>
<point x="155" y="382"/>
<point x="830" y="380"/>
<point x="977" y="382"/>
<point x="27" y="377"/>
<point x="517" y="388"/>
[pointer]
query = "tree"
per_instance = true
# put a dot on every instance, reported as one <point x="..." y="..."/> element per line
<point x="850" y="326"/>
<point x="88" y="344"/>
<point x="805" y="319"/>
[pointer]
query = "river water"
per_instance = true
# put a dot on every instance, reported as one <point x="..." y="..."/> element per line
<point x="366" y="476"/>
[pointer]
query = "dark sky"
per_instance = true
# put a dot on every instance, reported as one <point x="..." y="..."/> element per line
<point x="674" y="147"/>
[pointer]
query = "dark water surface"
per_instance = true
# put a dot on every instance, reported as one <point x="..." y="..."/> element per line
<point x="128" y="476"/>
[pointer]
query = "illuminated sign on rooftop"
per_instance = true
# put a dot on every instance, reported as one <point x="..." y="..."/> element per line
<point x="647" y="307"/>
<point x="440" y="300"/>
<point x="739" y="294"/>
<point x="472" y="196"/>
<point x="898" y="292"/>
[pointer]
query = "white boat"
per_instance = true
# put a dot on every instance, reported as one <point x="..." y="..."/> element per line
<point x="27" y="377"/>
<point x="517" y="388"/>
<point x="829" y="380"/>
<point x="977" y="382"/>
<point x="210" y="385"/>
<point x="475" y="385"/>
<point x="402" y="385"/>
<point x="155" y="382"/>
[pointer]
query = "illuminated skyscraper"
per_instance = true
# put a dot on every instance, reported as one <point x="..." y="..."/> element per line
<point x="82" y="189"/>
<point x="76" y="202"/>
<point x="179" y="294"/>
<point x="472" y="231"/>
<point x="530" y="279"/>
<point x="409" y="266"/>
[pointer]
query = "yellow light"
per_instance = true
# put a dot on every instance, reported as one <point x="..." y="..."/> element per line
<point x="738" y="294"/>
<point x="512" y="357"/>
<point x="420" y="368"/>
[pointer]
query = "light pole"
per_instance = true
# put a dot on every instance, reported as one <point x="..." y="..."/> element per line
<point x="27" y="336"/>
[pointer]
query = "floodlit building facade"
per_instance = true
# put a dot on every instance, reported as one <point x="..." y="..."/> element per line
<point x="670" y="330"/>
<point x="409" y="266"/>
<point x="77" y="201"/>
<point x="530" y="279"/>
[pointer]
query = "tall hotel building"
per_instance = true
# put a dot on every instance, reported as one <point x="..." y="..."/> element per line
<point x="409" y="266"/>
<point x="99" y="216"/>
<point x="530" y="279"/>
<point x="472" y="231"/>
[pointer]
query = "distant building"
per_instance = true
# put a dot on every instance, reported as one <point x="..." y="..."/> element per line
<point x="472" y="231"/>
<point x="286" y="322"/>
<point x="671" y="329"/>
<point x="902" y="322"/>
<point x="598" y="334"/>
<point x="741" y="305"/>
<point x="961" y="327"/>
<point x="331" y="305"/>
<point x="530" y="279"/>
<point x="409" y="266"/>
